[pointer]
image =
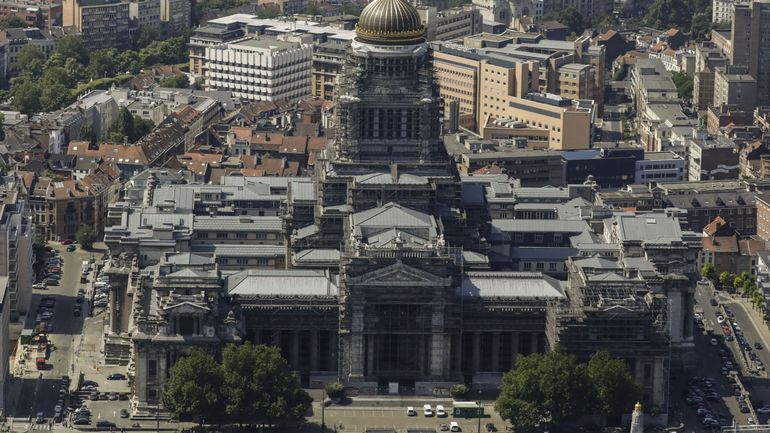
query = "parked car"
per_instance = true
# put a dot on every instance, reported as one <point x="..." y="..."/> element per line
<point x="116" y="376"/>
<point x="67" y="242"/>
<point x="427" y="410"/>
<point x="71" y="248"/>
<point x="440" y="411"/>
<point x="758" y="345"/>
<point x="123" y="413"/>
<point x="105" y="425"/>
<point x="453" y="426"/>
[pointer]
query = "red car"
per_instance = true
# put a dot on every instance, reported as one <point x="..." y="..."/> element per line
<point x="67" y="242"/>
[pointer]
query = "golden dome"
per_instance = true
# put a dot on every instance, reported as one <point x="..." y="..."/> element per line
<point x="638" y="406"/>
<point x="390" y="22"/>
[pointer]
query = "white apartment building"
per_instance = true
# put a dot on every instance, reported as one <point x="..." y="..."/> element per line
<point x="260" y="69"/>
<point x="722" y="10"/>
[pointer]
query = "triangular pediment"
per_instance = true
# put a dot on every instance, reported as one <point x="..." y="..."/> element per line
<point x="186" y="308"/>
<point x="398" y="274"/>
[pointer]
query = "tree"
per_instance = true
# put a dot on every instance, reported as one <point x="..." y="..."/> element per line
<point x="122" y="127"/>
<point x="616" y="389"/>
<point x="71" y="47"/>
<point x="146" y="35"/>
<point x="142" y="127"/>
<point x="459" y="391"/>
<point x="725" y="278"/>
<point x="701" y="26"/>
<point x="334" y="390"/>
<point x="738" y="282"/>
<point x="664" y="14"/>
<point x="684" y="85"/>
<point x="29" y="60"/>
<point x="708" y="272"/>
<point x="103" y="63"/>
<point x="54" y="96"/>
<point x="180" y="81"/>
<point x="75" y="70"/>
<point x="86" y="236"/>
<point x="195" y="386"/>
<point x="269" y="11"/>
<point x="12" y="22"/>
<point x="26" y="96"/>
<point x="544" y="387"/>
<point x="261" y="387"/>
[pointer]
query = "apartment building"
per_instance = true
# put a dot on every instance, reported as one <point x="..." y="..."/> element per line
<point x="16" y="258"/>
<point x="712" y="158"/>
<point x="175" y="15"/>
<point x="750" y="44"/>
<point x="734" y="86"/>
<point x="708" y="57"/>
<point x="575" y="81"/>
<point x="450" y="23"/>
<point x="260" y="69"/>
<point x="211" y="34"/>
<point x="660" y="167"/>
<point x="36" y="13"/>
<point x="722" y="10"/>
<point x="146" y="13"/>
<point x="18" y="38"/>
<point x="102" y="23"/>
<point x="327" y="67"/>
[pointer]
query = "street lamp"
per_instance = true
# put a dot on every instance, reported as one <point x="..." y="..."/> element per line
<point x="478" y="413"/>
<point x="323" y="408"/>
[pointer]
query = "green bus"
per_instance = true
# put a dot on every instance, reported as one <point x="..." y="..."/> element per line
<point x="467" y="409"/>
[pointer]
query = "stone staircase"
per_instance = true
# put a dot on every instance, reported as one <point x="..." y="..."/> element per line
<point x="117" y="350"/>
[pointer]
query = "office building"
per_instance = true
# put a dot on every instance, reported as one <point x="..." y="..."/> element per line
<point x="146" y="13"/>
<point x="750" y="44"/>
<point x="260" y="69"/>
<point x="450" y="23"/>
<point x="660" y="167"/>
<point x="175" y="15"/>
<point x="733" y="86"/>
<point x="101" y="23"/>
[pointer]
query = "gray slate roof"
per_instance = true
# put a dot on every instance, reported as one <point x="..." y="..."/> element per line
<point x="279" y="282"/>
<point x="511" y="285"/>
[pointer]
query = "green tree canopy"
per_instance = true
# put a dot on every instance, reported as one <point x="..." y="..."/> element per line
<point x="261" y="387"/>
<point x="664" y="14"/>
<point x="571" y="18"/>
<point x="146" y="35"/>
<point x="684" y="85"/>
<point x="176" y="81"/>
<point x="195" y="386"/>
<point x="54" y="96"/>
<point x="725" y="278"/>
<point x="71" y="47"/>
<point x="86" y="236"/>
<point x="269" y="11"/>
<point x="12" y="22"/>
<point x="616" y="389"/>
<point x="29" y="60"/>
<point x="103" y="63"/>
<point x="121" y="127"/>
<point x="26" y="96"/>
<point x="544" y="387"/>
<point x="708" y="271"/>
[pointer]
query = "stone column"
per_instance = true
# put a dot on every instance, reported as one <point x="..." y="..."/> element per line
<point x="514" y="347"/>
<point x="658" y="382"/>
<point x="438" y="343"/>
<point x="495" y="351"/>
<point x="370" y="355"/>
<point x="357" y="343"/>
<point x="676" y="313"/>
<point x="457" y="352"/>
<point x="438" y="351"/>
<point x="333" y="351"/>
<point x="295" y="350"/>
<point x="420" y="341"/>
<point x="476" y="352"/>
<point x="277" y="338"/>
<point x="314" y="365"/>
<point x="535" y="342"/>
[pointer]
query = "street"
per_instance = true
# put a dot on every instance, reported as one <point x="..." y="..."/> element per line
<point x="39" y="390"/>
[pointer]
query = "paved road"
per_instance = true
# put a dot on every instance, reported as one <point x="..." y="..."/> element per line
<point x="359" y="420"/>
<point x="40" y="390"/>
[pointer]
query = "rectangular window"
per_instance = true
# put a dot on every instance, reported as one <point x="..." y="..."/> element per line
<point x="242" y="235"/>
<point x="538" y="238"/>
<point x="152" y="368"/>
<point x="221" y="235"/>
<point x="242" y="261"/>
<point x="539" y="267"/>
<point x="262" y="262"/>
<point x="527" y="266"/>
<point x="557" y="238"/>
<point x="261" y="235"/>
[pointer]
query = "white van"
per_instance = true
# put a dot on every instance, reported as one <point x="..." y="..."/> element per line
<point x="453" y="426"/>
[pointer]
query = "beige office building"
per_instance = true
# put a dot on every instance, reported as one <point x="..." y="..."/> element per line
<point x="501" y="93"/>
